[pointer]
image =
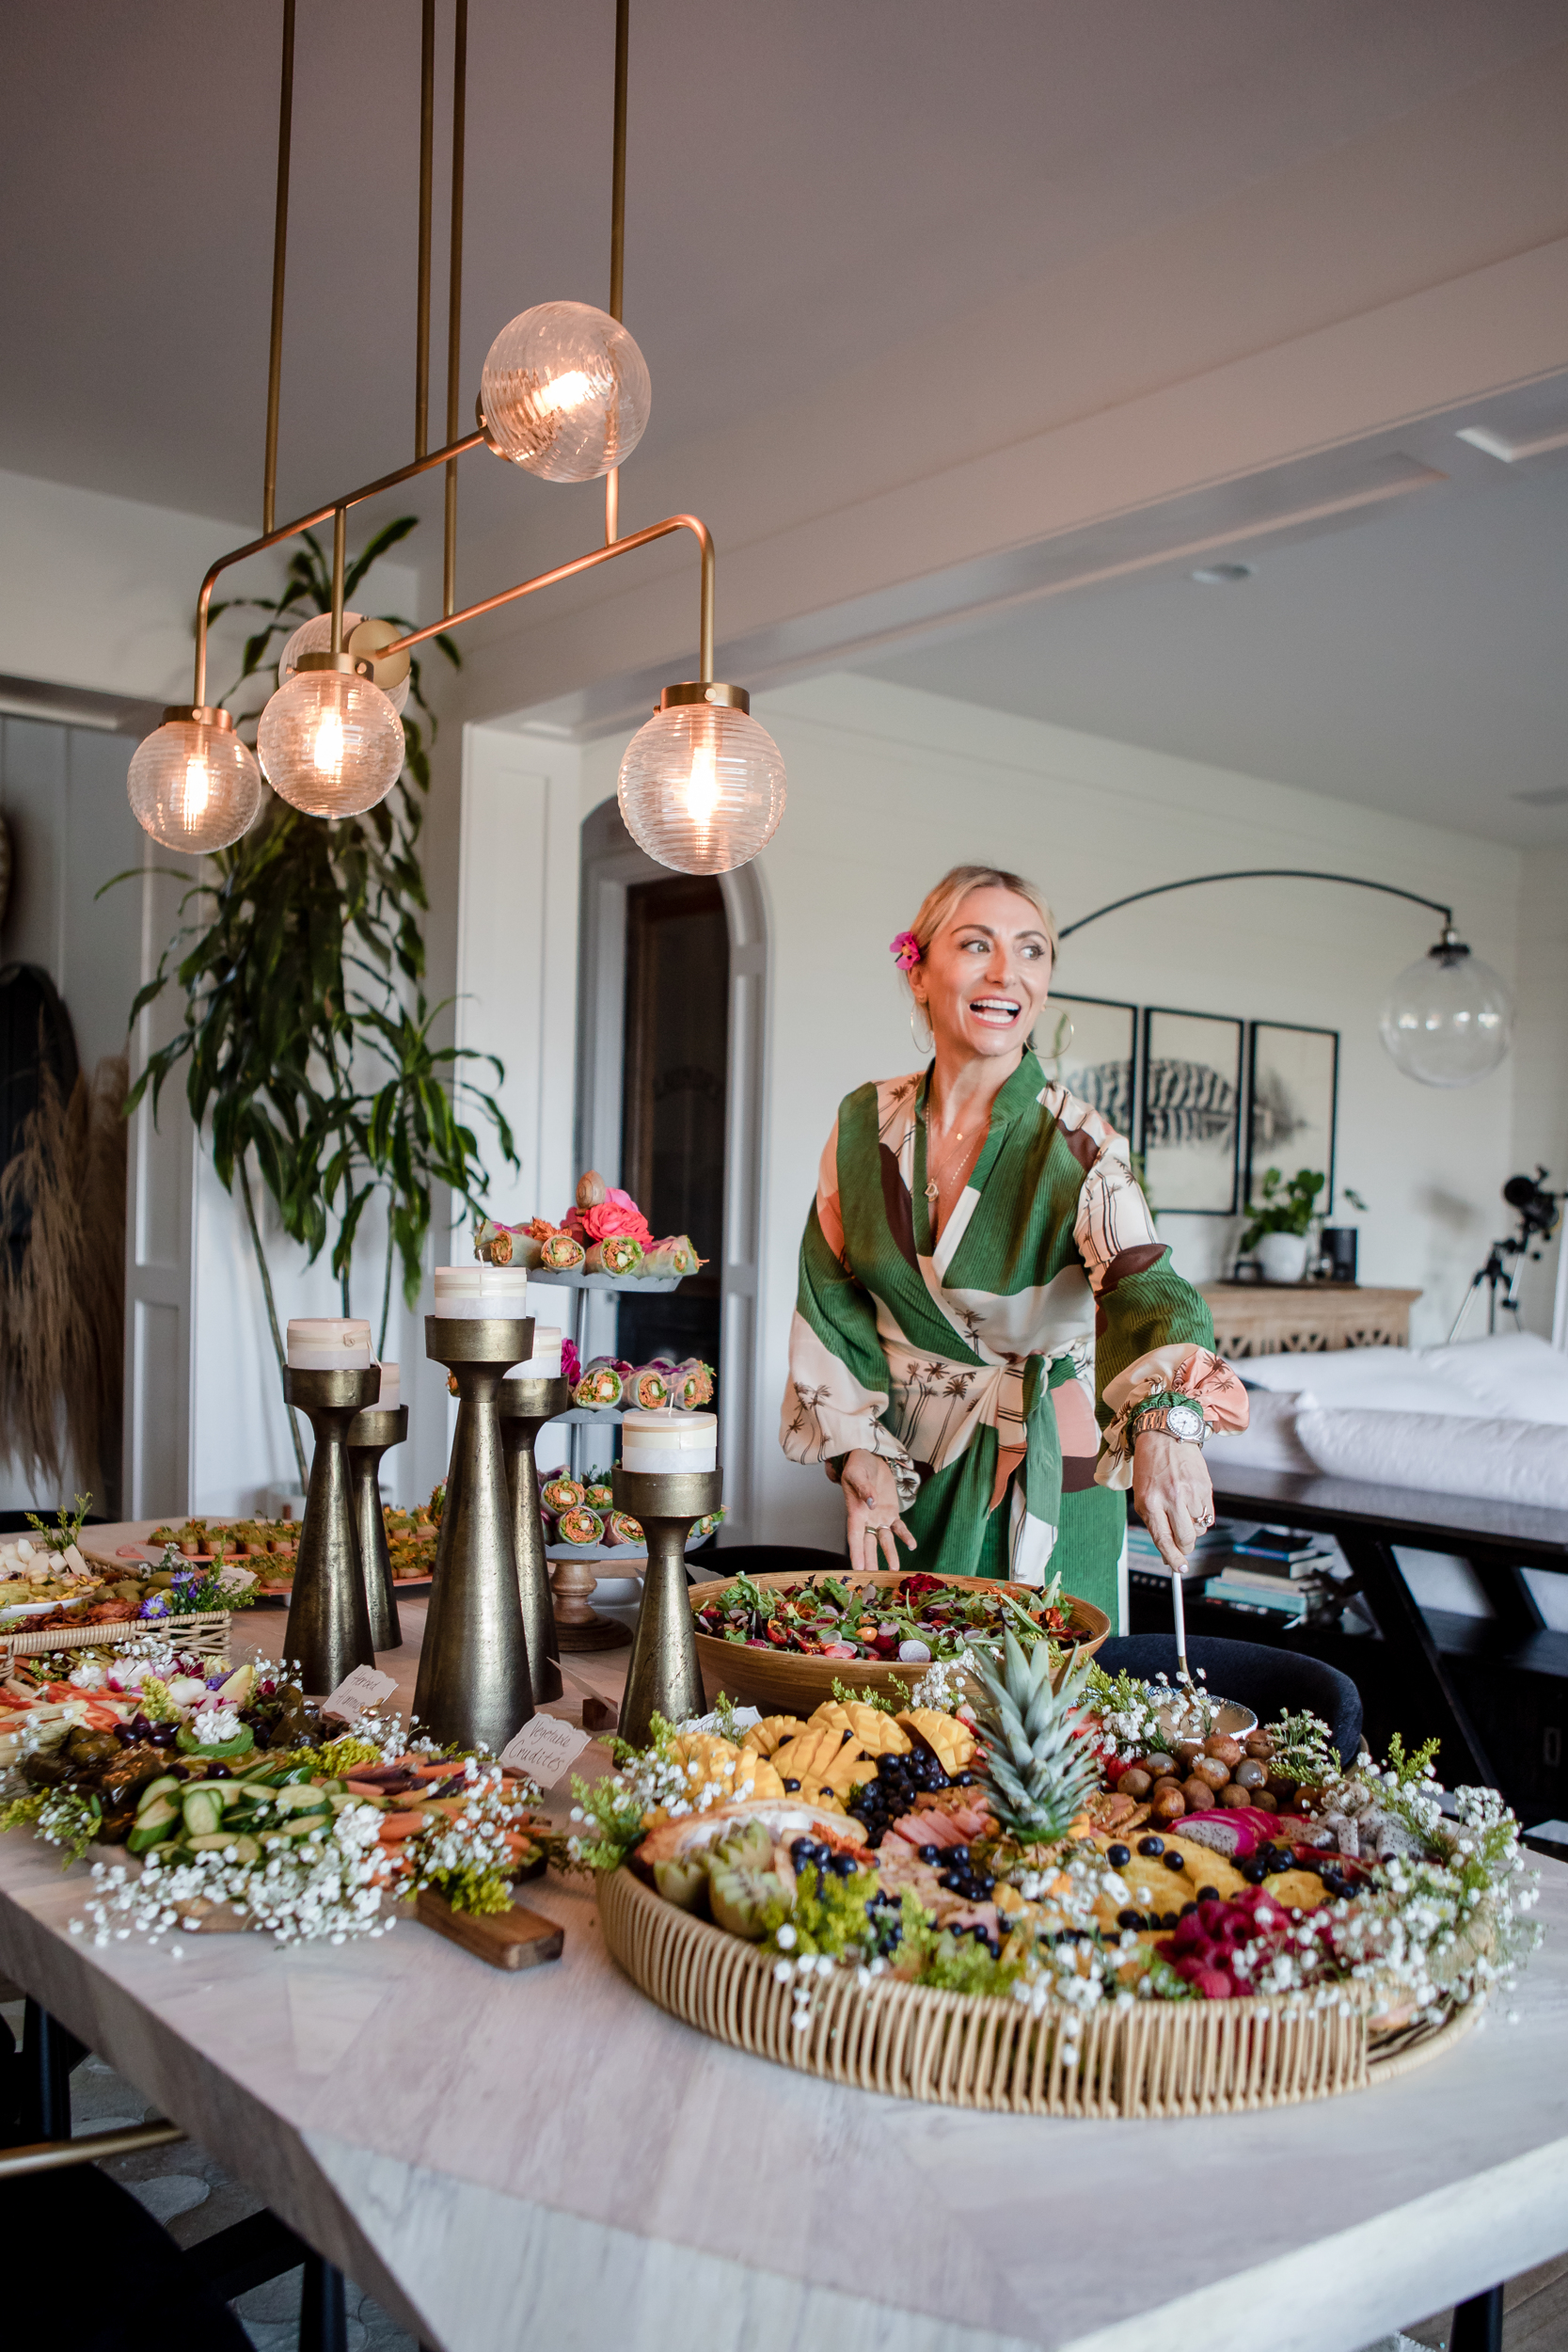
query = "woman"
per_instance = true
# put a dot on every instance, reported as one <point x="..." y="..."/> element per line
<point x="980" y="1279"/>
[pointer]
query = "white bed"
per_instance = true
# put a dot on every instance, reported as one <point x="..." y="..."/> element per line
<point x="1484" y="1418"/>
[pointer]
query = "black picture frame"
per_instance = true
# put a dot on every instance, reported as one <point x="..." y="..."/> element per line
<point x="1105" y="1034"/>
<point x="1190" y="1110"/>
<point x="1271" y="1076"/>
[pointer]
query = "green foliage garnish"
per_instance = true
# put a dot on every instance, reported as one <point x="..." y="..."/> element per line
<point x="1302" y="1749"/>
<point x="615" y="1812"/>
<point x="723" y="1707"/>
<point x="155" y="1702"/>
<point x="23" y="1810"/>
<point x="336" y="1759"/>
<point x="1410" y="1769"/>
<point x="69" y="1818"/>
<point x="469" y="1888"/>
<point x="61" y="1538"/>
<point x="889" y="1702"/>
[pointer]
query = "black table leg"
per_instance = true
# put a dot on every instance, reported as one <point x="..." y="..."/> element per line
<point x="322" y="2316"/>
<point x="48" y="2055"/>
<point x="1503" y="1580"/>
<point x="1416" y="1658"/>
<point x="1477" y="2324"/>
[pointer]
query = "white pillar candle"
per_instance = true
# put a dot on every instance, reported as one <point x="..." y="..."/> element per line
<point x="544" y="1362"/>
<point x="328" y="1343"/>
<point x="481" y="1290"/>
<point x="389" y="1397"/>
<point x="670" y="1441"/>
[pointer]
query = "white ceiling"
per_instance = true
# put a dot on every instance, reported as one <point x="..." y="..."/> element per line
<point x="808" y="184"/>
<point x="1415" y="658"/>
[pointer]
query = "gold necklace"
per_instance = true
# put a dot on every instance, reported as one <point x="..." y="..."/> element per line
<point x="932" y="1187"/>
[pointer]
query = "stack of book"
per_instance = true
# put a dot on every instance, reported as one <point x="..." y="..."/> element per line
<point x="1278" y="1570"/>
<point x="1213" y="1547"/>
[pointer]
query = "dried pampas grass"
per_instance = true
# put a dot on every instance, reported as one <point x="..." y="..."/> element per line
<point x="62" y="1284"/>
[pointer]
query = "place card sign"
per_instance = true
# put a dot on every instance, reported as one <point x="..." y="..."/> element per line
<point x="364" y="1689"/>
<point x="546" y="1749"/>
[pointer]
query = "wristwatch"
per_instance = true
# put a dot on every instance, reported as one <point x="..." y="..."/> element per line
<point x="1178" y="1416"/>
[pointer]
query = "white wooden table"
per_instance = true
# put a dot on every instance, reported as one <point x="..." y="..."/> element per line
<point x="548" y="2161"/>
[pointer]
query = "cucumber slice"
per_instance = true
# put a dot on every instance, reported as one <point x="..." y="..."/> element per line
<point x="154" y="1789"/>
<point x="303" y="1800"/>
<point x="203" y="1812"/>
<point x="226" y="1840"/>
<point x="154" y="1824"/>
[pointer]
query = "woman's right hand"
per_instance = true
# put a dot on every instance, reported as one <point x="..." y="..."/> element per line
<point x="871" y="1498"/>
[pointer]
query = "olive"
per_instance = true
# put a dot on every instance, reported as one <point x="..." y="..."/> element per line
<point x="1116" y="1855"/>
<point x="1152" y="1845"/>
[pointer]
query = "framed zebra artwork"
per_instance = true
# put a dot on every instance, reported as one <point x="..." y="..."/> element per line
<point x="1292" y="1094"/>
<point x="1191" y="1124"/>
<point x="1091" y="1045"/>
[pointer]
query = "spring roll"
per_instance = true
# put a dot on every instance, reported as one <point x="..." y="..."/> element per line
<point x="692" y="1386"/>
<point x="674" y="1255"/>
<point x="621" y="1528"/>
<point x="599" y="1495"/>
<point x="599" y="1389"/>
<point x="560" y="1253"/>
<point x="579" y="1525"/>
<point x="621" y="1253"/>
<point x="561" y="1493"/>
<point x="647" y="1388"/>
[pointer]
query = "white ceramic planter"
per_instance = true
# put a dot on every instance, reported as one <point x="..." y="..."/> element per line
<point x="1282" y="1257"/>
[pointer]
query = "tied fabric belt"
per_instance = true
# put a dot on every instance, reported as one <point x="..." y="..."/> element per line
<point x="942" y="1405"/>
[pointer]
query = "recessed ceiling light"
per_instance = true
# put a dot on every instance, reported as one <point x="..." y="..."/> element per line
<point x="1221" y="575"/>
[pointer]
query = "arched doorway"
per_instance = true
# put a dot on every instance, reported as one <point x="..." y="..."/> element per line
<point x="671" y="1029"/>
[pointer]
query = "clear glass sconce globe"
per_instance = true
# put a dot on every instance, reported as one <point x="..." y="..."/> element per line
<point x="315" y="636"/>
<point x="330" y="742"/>
<point x="192" y="784"/>
<point x="1448" y="1020"/>
<point x="566" y="391"/>
<point x="702" y="786"/>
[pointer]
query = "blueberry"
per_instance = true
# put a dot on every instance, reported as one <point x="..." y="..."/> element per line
<point x="1169" y="1918"/>
<point x="1152" y="1845"/>
<point x="1116" y="1855"/>
<point x="931" y="1854"/>
<point x="791" y="1787"/>
<point x="963" y="1780"/>
<point x="959" y="1855"/>
<point x="1254" y="1871"/>
<point x="1207" y="1894"/>
<point x="802" y="1850"/>
<point x="1130" y="1918"/>
<point x="1186" y="1911"/>
<point x="1174" y="1861"/>
<point x="843" y="1865"/>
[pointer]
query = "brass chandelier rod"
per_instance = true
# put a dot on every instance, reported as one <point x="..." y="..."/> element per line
<point x="617" y="235"/>
<point x="280" y="247"/>
<point x="427" y="155"/>
<point x="454" y="298"/>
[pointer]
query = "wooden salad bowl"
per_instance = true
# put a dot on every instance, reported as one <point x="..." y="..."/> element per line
<point x="783" y="1682"/>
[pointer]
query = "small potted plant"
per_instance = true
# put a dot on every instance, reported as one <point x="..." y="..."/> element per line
<point x="1281" y="1223"/>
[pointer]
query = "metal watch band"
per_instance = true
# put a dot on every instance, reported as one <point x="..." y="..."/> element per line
<point x="1179" y="1417"/>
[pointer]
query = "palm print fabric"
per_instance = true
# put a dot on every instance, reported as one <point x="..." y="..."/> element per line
<point x="964" y="1362"/>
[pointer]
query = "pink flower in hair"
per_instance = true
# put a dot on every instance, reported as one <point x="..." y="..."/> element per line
<point x="906" y="950"/>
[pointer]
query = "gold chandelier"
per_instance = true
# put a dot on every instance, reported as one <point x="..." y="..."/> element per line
<point x="564" y="393"/>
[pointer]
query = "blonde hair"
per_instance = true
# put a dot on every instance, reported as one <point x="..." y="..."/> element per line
<point x="943" y="901"/>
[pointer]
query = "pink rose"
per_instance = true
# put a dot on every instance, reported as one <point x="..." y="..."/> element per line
<point x="617" y="1213"/>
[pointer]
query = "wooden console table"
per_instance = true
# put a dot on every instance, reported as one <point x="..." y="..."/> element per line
<point x="1306" y="1318"/>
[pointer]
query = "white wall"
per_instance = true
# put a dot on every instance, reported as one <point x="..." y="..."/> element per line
<point x="1541" y="1058"/>
<point x="888" y="787"/>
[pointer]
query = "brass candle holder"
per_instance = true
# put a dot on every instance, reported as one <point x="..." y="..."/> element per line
<point x="663" y="1677"/>
<point x="369" y="1436"/>
<point x="474" y="1687"/>
<point x="329" y="1621"/>
<point x="526" y="1405"/>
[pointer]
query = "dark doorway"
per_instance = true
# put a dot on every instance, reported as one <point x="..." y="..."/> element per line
<point x="673" y="1111"/>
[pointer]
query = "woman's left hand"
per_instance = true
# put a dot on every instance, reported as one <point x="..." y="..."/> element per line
<point x="1172" y="1492"/>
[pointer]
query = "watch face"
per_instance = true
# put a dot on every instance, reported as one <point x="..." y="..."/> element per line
<point x="1185" y="1420"/>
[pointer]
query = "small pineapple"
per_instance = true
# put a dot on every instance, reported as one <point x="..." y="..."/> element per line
<point x="1040" y="1776"/>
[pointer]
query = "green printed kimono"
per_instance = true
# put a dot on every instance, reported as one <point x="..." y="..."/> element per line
<point x="976" y="1366"/>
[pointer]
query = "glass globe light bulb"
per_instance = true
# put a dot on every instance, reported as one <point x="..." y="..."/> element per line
<point x="331" y="743"/>
<point x="315" y="636"/>
<point x="566" y="391"/>
<point x="192" y="784"/>
<point x="1448" y="1020"/>
<point x="702" y="786"/>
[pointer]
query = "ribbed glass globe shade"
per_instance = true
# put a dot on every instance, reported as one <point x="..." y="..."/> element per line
<point x="702" y="787"/>
<point x="193" y="786"/>
<point x="566" y="391"/>
<point x="1448" y="1021"/>
<point x="331" y="743"/>
<point x="315" y="636"/>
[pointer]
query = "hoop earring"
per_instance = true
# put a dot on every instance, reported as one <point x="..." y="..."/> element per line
<point x="922" y="1050"/>
<point x="1059" y="1044"/>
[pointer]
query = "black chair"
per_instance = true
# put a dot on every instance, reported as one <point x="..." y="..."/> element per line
<point x="1267" y="1680"/>
<point x="139" y="2292"/>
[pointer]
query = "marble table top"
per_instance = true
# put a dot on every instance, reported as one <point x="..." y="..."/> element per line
<point x="548" y="2157"/>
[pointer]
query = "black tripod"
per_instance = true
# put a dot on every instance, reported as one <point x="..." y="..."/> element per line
<point x="1539" y="1212"/>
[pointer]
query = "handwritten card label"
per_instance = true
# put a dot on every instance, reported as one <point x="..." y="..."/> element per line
<point x="365" y="1688"/>
<point x="546" y="1749"/>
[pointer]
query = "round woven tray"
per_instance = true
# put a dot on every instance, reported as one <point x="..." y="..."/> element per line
<point x="789" y="1683"/>
<point x="1159" y="2059"/>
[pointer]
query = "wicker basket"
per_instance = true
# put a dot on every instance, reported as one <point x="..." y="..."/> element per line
<point x="205" y="1634"/>
<point x="781" y="1682"/>
<point x="1157" y="2059"/>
